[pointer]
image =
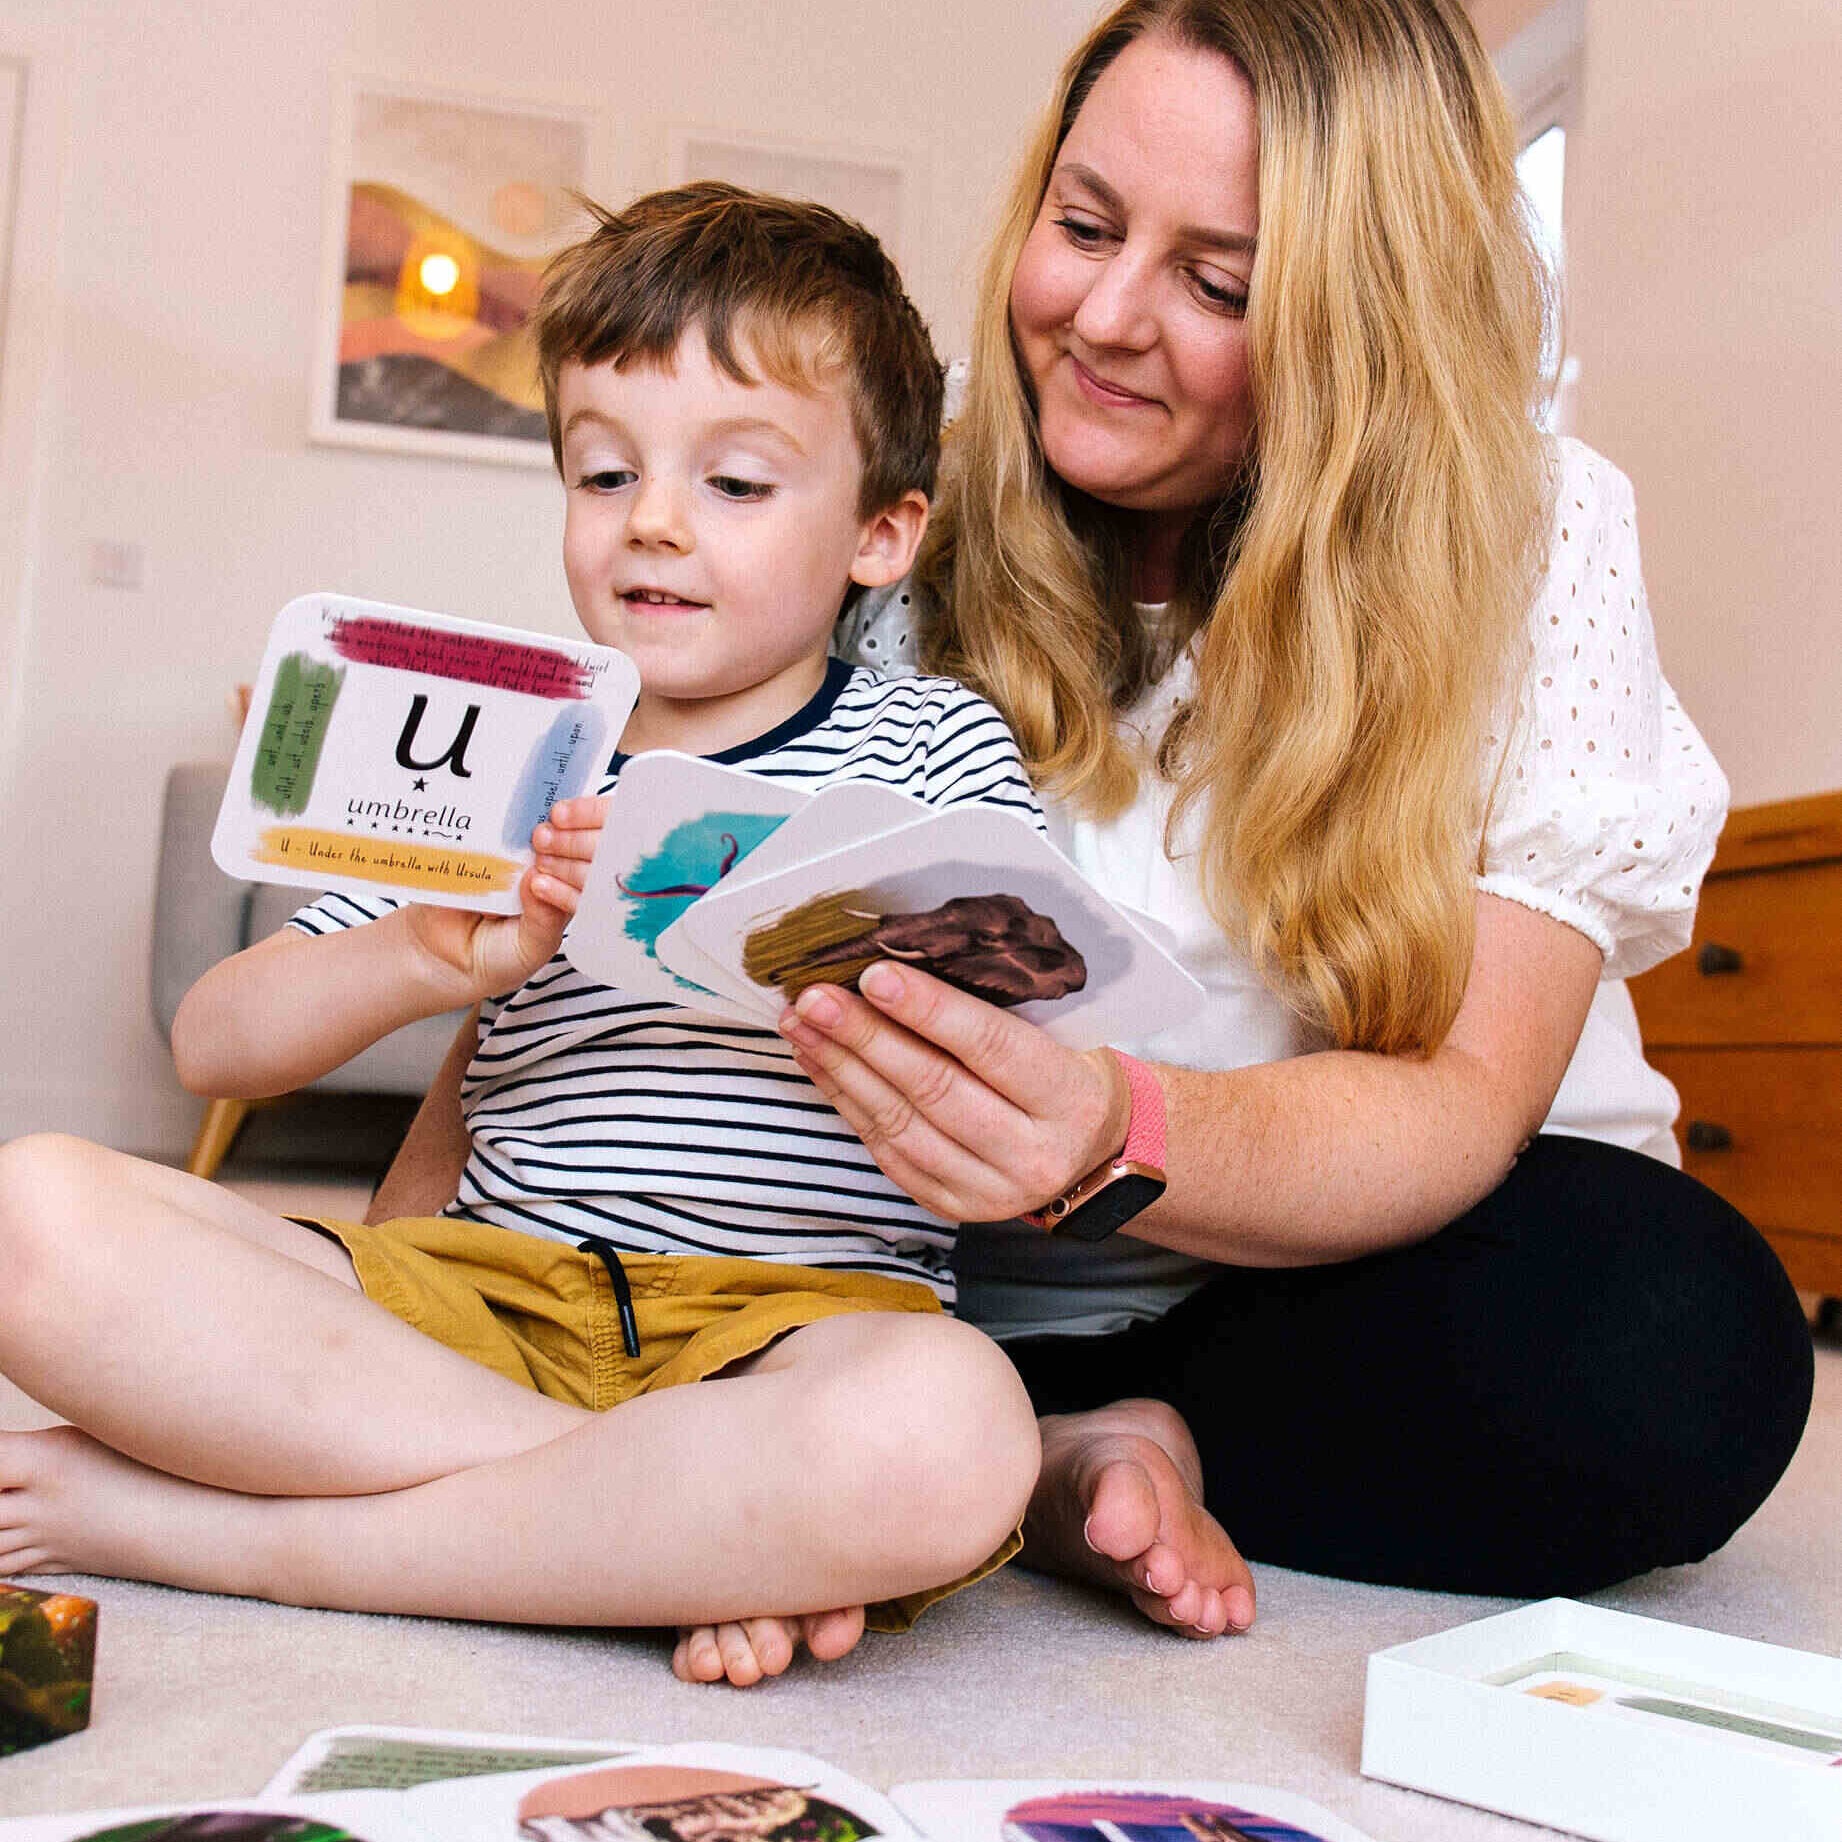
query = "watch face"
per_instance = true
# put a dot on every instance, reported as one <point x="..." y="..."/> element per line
<point x="1129" y="1194"/>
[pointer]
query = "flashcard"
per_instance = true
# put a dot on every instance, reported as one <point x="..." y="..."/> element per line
<point x="1061" y="1810"/>
<point x="353" y="1817"/>
<point x="698" y="1789"/>
<point x="675" y="827"/>
<point x="394" y="752"/>
<point x="367" y="1758"/>
<point x="975" y="896"/>
<point x="845" y="813"/>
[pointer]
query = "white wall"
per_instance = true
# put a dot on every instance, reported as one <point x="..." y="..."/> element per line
<point x="170" y="219"/>
<point x="1704" y="249"/>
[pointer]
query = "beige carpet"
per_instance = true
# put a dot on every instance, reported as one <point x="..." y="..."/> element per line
<point x="1023" y="1677"/>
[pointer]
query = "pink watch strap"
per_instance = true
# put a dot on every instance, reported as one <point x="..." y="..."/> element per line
<point x="1145" y="1131"/>
<point x="1144" y="1127"/>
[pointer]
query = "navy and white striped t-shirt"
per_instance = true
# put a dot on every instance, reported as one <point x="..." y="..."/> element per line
<point x="664" y="1130"/>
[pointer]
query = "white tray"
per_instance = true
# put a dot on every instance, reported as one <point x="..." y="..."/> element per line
<point x="1683" y="1738"/>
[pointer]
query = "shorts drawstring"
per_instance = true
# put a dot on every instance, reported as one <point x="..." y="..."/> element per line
<point x="623" y="1293"/>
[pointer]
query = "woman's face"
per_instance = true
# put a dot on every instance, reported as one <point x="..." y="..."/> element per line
<point x="1129" y="297"/>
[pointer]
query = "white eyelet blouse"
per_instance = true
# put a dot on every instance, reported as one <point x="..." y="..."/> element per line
<point x="1606" y="811"/>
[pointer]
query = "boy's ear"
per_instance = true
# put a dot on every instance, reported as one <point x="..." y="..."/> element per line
<point x="886" y="552"/>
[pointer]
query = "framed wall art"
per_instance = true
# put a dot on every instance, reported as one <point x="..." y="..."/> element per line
<point x="875" y="188"/>
<point x="441" y="214"/>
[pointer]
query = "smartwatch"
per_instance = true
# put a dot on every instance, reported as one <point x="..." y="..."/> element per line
<point x="1106" y="1199"/>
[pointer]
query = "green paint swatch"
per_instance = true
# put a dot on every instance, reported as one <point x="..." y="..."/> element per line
<point x="368" y="1762"/>
<point x="293" y="730"/>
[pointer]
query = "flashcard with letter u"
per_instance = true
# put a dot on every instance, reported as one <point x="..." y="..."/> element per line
<point x="393" y="752"/>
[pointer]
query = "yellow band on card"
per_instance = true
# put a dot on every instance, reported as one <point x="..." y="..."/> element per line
<point x="415" y="866"/>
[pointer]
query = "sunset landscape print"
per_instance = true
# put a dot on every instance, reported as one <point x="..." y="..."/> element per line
<point x="451" y="212"/>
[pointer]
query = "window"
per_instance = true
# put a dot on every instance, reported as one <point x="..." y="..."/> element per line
<point x="1540" y="68"/>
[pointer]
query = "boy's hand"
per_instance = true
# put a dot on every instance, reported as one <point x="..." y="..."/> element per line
<point x="565" y="846"/>
<point x="489" y="954"/>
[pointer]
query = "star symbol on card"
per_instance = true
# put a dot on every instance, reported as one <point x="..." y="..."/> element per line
<point x="421" y="786"/>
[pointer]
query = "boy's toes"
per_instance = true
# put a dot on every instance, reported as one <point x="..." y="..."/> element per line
<point x="747" y="1650"/>
<point x="696" y="1657"/>
<point x="772" y="1642"/>
<point x="740" y="1664"/>
<point x="830" y="1635"/>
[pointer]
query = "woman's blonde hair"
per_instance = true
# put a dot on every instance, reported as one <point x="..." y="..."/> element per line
<point x="1362" y="585"/>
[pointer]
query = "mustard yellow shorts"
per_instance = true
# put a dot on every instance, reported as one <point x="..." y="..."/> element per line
<point x="547" y="1315"/>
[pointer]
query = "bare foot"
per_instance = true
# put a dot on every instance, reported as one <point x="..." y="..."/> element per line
<point x="746" y="1651"/>
<point x="71" y="1505"/>
<point x="1119" y="1502"/>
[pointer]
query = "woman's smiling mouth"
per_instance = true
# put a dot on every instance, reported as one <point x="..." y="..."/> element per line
<point x="1100" y="390"/>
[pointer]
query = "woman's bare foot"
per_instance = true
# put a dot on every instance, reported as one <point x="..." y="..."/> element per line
<point x="1119" y="1502"/>
<point x="756" y="1647"/>
<point x="69" y="1504"/>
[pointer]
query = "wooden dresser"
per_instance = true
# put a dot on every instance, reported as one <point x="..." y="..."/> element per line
<point x="1748" y="1024"/>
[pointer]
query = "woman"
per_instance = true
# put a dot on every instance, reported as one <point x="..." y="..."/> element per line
<point x="1339" y="669"/>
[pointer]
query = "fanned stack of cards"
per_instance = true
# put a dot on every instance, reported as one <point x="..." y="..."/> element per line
<point x="729" y="893"/>
<point x="402" y="1785"/>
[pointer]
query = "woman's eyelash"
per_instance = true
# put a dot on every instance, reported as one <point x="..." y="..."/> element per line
<point x="1079" y="231"/>
<point x="1230" y="300"/>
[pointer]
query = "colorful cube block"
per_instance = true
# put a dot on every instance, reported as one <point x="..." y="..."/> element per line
<point x="47" y="1665"/>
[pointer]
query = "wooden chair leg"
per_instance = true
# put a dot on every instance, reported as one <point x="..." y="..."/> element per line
<point x="217" y="1132"/>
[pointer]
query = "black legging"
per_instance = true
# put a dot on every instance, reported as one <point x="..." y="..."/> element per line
<point x="1600" y="1369"/>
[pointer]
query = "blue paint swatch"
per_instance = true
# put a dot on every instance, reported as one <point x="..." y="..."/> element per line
<point x="559" y="767"/>
<point x="692" y="859"/>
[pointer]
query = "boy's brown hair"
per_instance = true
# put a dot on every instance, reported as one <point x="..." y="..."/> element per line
<point x="809" y="292"/>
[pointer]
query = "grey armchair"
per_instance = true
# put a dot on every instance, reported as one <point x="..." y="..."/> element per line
<point x="201" y="916"/>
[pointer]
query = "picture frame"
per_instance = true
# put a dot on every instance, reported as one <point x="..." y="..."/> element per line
<point x="442" y="209"/>
<point x="878" y="187"/>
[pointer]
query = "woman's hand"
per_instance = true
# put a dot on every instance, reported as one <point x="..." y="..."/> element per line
<point x="488" y="954"/>
<point x="976" y="1114"/>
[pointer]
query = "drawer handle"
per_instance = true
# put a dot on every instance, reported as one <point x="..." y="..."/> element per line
<point x="1705" y="1135"/>
<point x="1714" y="959"/>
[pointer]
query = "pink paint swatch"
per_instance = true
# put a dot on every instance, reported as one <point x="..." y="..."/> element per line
<point x="505" y="665"/>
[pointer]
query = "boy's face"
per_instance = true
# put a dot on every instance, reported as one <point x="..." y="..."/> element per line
<point x="711" y="532"/>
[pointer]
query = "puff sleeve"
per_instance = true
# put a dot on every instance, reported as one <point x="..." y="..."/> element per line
<point x="1607" y="802"/>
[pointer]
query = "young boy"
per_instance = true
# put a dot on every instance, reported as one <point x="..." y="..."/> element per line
<point x="744" y="409"/>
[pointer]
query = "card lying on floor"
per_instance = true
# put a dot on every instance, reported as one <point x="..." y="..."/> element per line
<point x="977" y="897"/>
<point x="393" y="752"/>
<point x="368" y="1758"/>
<point x="354" y="1816"/>
<point x="702" y="1789"/>
<point x="1067" y="1810"/>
